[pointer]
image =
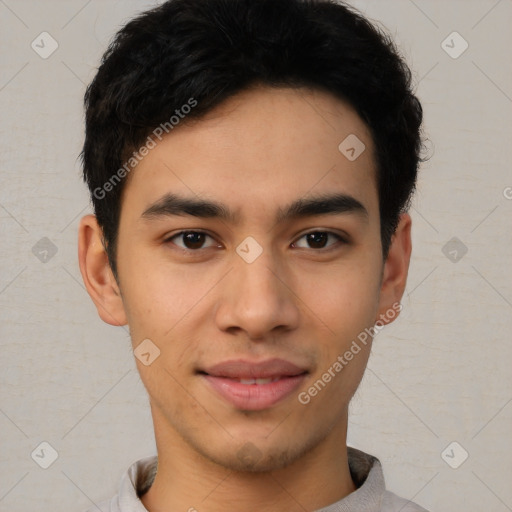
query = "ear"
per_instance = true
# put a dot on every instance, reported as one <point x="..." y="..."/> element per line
<point x="396" y="268"/>
<point x="97" y="274"/>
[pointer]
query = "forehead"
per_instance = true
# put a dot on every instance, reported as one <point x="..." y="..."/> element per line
<point x="261" y="147"/>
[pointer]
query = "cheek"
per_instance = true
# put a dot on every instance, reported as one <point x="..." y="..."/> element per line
<point x="343" y="298"/>
<point x="158" y="295"/>
<point x="161" y="304"/>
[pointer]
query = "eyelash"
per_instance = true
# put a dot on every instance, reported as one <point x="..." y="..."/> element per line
<point x="341" y="240"/>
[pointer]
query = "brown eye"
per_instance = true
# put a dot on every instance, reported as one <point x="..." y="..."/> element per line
<point x="318" y="239"/>
<point x="191" y="240"/>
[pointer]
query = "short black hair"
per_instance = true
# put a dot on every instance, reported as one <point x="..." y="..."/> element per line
<point x="202" y="52"/>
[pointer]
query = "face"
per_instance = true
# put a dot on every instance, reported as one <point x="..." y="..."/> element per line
<point x="252" y="299"/>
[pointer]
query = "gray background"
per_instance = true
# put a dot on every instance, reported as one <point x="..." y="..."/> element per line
<point x="439" y="374"/>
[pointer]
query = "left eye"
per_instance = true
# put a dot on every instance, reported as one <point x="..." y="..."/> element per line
<point x="318" y="239"/>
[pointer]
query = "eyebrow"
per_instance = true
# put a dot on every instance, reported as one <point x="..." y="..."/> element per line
<point x="325" y="204"/>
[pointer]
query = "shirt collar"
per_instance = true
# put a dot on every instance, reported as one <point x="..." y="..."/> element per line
<point x="365" y="469"/>
<point x="366" y="472"/>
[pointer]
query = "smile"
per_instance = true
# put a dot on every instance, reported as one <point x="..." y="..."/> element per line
<point x="254" y="386"/>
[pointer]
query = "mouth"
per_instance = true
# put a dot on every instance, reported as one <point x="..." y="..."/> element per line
<point x="254" y="386"/>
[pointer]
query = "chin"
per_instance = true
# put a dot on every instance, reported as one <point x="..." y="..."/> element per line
<point x="249" y="459"/>
<point x="259" y="456"/>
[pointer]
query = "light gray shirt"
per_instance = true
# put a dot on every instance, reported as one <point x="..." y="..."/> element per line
<point x="366" y="471"/>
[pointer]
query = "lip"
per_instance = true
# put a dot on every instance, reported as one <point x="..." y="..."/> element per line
<point x="224" y="379"/>
<point x="242" y="369"/>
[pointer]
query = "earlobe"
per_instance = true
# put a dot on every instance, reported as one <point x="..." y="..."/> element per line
<point x="396" y="268"/>
<point x="97" y="274"/>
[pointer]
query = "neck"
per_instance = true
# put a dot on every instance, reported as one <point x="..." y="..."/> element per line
<point x="187" y="481"/>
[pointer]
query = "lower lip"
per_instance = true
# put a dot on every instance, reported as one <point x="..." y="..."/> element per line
<point x="254" y="397"/>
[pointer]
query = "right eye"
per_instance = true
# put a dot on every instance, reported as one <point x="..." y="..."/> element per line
<point x="192" y="240"/>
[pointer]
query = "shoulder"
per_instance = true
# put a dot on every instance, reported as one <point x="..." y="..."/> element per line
<point x="393" y="503"/>
<point x="135" y="482"/>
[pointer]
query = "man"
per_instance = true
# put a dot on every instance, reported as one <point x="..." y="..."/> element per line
<point x="250" y="164"/>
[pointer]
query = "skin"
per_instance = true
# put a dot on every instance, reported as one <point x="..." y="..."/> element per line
<point x="306" y="303"/>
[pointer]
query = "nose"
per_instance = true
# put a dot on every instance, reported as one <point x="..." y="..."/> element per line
<point x="258" y="299"/>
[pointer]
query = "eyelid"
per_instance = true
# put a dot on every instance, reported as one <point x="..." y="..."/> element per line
<point x="330" y="231"/>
